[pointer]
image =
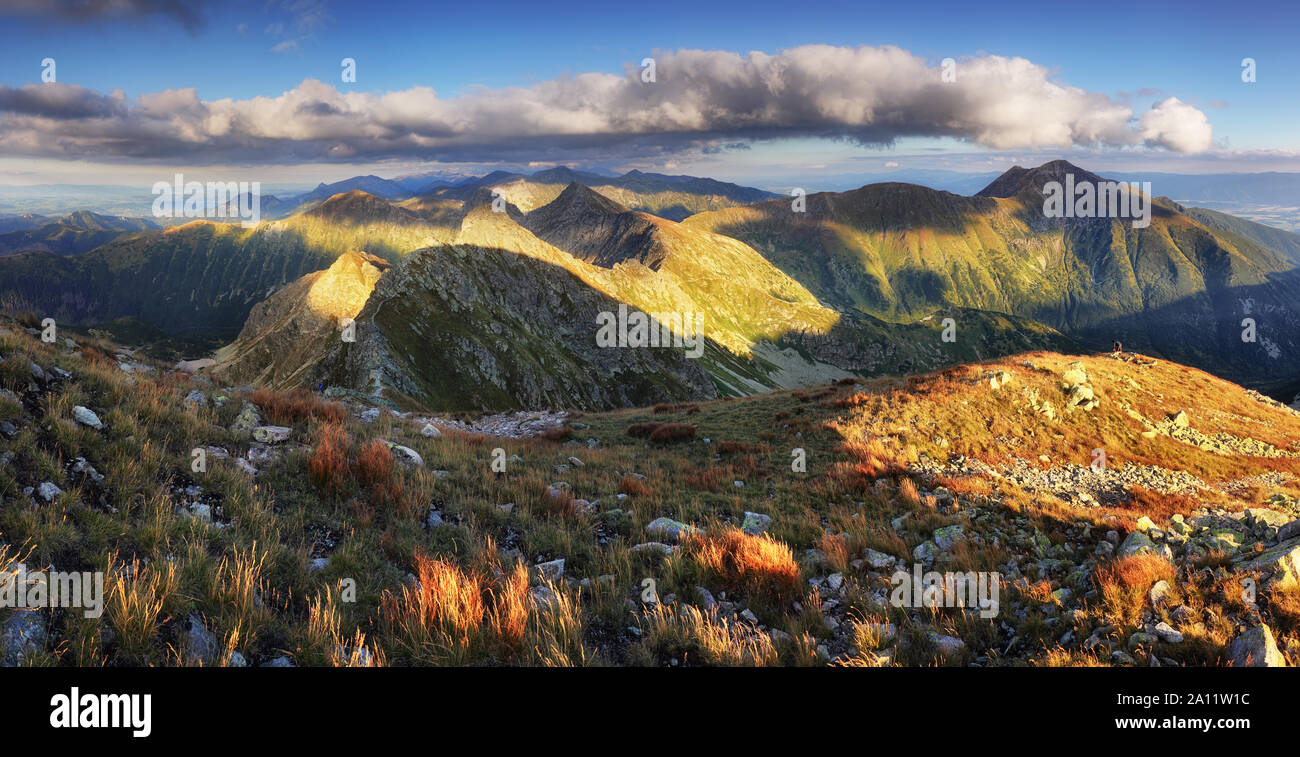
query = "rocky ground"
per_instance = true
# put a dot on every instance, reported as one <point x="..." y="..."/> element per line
<point x="680" y="535"/>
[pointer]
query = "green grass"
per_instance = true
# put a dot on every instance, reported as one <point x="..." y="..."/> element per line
<point x="250" y="577"/>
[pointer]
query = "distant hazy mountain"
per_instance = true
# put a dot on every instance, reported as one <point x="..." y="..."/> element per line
<point x="859" y="284"/>
<point x="957" y="182"/>
<point x="1285" y="242"/>
<point x="19" y="221"/>
<point x="72" y="234"/>
<point x="359" y="208"/>
<point x="1270" y="188"/>
<point x="424" y="182"/>
<point x="371" y="184"/>
<point x="671" y="197"/>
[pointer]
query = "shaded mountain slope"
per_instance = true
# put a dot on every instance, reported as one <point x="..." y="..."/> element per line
<point x="897" y="251"/>
<point x="463" y="327"/>
<point x="203" y="278"/>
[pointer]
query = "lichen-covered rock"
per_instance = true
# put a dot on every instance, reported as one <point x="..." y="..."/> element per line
<point x="249" y="418"/>
<point x="755" y="523"/>
<point x="272" y="434"/>
<point x="1282" y="561"/>
<point x="551" y="570"/>
<point x="668" y="528"/>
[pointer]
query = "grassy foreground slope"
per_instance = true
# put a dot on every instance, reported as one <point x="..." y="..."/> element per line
<point x="345" y="538"/>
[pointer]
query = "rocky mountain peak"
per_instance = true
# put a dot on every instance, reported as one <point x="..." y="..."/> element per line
<point x="1018" y="180"/>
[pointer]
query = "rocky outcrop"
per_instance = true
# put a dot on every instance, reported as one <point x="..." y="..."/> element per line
<point x="287" y="334"/>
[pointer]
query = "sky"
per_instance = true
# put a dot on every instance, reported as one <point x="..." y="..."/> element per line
<point x="761" y="92"/>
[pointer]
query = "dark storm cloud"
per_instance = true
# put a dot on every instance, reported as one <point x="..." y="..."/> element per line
<point x="187" y="13"/>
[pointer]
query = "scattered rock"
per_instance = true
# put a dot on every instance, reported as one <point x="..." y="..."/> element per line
<point x="1159" y="593"/>
<point x="248" y="419"/>
<point x="21" y="636"/>
<point x="1167" y="633"/>
<point x="86" y="417"/>
<point x="668" y="528"/>
<point x="1255" y="648"/>
<point x="552" y="570"/>
<point x="404" y="454"/>
<point x="202" y="642"/>
<point x="48" y="491"/>
<point x="755" y="523"/>
<point x="272" y="434"/>
<point x="879" y="560"/>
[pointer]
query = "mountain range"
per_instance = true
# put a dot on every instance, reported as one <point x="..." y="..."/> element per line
<point x="1180" y="288"/>
<point x="466" y="299"/>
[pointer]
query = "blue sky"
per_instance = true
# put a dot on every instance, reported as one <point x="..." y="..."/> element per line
<point x="1135" y="53"/>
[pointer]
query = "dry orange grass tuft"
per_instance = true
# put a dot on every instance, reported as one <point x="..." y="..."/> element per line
<point x="709" y="478"/>
<point x="562" y="504"/>
<point x="374" y="463"/>
<point x="1124" y="583"/>
<point x="686" y="407"/>
<point x="95" y="356"/>
<point x="978" y="486"/>
<point x="557" y="434"/>
<point x="672" y="432"/>
<point x="836" y="549"/>
<point x="871" y="459"/>
<point x="730" y="447"/>
<point x="908" y="491"/>
<point x="633" y="487"/>
<point x="759" y="567"/>
<point x="1157" y="505"/>
<point x="328" y="467"/>
<point x="452" y="613"/>
<point x="661" y="432"/>
<point x="875" y="459"/>
<point x="1284" y="601"/>
<point x="375" y="469"/>
<point x="288" y="408"/>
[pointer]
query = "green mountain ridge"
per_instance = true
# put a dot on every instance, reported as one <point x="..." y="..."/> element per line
<point x="445" y="349"/>
<point x="1177" y="288"/>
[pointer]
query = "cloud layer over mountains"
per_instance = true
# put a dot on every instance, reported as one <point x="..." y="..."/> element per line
<point x="871" y="95"/>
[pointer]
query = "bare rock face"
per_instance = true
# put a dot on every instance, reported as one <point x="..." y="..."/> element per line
<point x="286" y="334"/>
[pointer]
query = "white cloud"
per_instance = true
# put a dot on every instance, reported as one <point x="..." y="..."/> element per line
<point x="1178" y="126"/>
<point x="871" y="95"/>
